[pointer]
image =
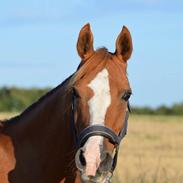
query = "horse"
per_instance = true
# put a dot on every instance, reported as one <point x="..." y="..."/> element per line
<point x="72" y="133"/>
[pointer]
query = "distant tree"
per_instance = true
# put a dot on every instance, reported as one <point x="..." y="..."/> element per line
<point x="177" y="109"/>
<point x="143" y="110"/>
<point x="164" y="110"/>
<point x="17" y="99"/>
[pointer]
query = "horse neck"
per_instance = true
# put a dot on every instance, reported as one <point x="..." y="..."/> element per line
<point x="48" y="121"/>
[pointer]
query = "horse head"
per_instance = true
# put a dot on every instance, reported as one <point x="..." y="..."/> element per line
<point x="100" y="101"/>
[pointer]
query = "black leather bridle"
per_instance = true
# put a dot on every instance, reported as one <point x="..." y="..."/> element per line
<point x="99" y="130"/>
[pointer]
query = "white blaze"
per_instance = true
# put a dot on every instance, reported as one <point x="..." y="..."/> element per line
<point x="98" y="106"/>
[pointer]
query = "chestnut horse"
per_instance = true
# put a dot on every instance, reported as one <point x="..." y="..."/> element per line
<point x="80" y="119"/>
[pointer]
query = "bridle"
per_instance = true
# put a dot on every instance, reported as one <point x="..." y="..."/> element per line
<point x="99" y="130"/>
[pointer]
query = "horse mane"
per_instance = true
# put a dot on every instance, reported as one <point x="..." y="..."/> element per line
<point x="34" y="105"/>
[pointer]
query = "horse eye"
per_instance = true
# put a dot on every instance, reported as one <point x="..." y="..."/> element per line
<point x="126" y="95"/>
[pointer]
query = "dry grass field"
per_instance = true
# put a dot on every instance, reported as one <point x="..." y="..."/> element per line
<point x="152" y="152"/>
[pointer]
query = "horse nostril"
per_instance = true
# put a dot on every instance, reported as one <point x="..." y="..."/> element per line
<point x="80" y="160"/>
<point x="91" y="177"/>
<point x="106" y="162"/>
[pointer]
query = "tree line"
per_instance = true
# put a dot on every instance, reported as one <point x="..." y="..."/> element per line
<point x="13" y="99"/>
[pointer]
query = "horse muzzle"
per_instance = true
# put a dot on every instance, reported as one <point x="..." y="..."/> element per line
<point x="103" y="170"/>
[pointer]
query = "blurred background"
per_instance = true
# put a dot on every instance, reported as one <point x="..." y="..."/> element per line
<point x="38" y="51"/>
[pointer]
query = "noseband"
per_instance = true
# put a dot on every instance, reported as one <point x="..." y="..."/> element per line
<point x="99" y="130"/>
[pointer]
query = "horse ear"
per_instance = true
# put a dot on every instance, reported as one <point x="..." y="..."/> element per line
<point x="85" y="42"/>
<point x="124" y="45"/>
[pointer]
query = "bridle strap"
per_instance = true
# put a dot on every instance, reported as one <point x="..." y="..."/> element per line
<point x="121" y="135"/>
<point x="99" y="130"/>
<point x="72" y="124"/>
<point x="124" y="130"/>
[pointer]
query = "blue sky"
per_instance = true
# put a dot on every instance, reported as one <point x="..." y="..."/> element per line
<point x="38" y="43"/>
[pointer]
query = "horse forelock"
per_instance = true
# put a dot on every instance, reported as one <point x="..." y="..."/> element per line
<point x="97" y="60"/>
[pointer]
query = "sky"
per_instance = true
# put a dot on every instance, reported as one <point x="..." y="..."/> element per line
<point x="38" y="43"/>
